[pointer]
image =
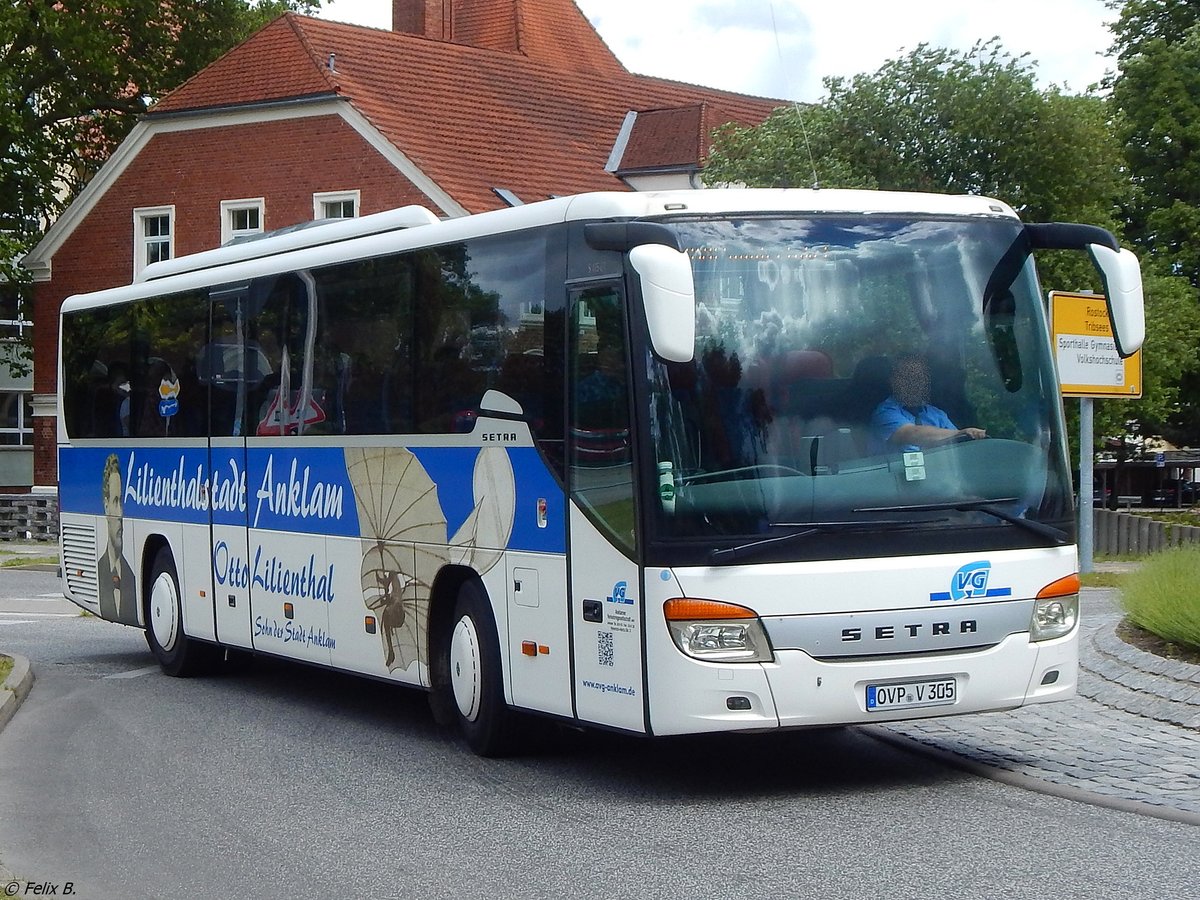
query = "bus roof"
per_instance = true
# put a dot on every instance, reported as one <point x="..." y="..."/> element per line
<point x="412" y="227"/>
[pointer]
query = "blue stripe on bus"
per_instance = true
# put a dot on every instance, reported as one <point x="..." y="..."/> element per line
<point x="304" y="490"/>
<point x="452" y="469"/>
<point x="534" y="483"/>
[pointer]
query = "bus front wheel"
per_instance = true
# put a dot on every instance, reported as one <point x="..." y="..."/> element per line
<point x="474" y="674"/>
<point x="177" y="654"/>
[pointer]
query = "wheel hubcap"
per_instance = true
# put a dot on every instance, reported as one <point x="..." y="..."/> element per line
<point x="466" y="679"/>
<point x="164" y="612"/>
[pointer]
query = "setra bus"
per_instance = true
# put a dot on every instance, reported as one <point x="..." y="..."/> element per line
<point x="666" y="463"/>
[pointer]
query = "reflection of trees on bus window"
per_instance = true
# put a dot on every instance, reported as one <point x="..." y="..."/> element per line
<point x="798" y="326"/>
<point x="116" y="361"/>
<point x="165" y="400"/>
<point x="601" y="461"/>
<point x="279" y="324"/>
<point x="411" y="343"/>
<point x="362" y="353"/>
<point x="389" y="345"/>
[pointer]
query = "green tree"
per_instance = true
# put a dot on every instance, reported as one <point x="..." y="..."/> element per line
<point x="940" y="120"/>
<point x="74" y="77"/>
<point x="1156" y="103"/>
<point x="1157" y="94"/>
<point x="1142" y="22"/>
<point x="946" y="121"/>
<point x="1170" y="359"/>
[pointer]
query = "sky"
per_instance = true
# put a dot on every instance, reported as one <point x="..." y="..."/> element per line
<point x="784" y="48"/>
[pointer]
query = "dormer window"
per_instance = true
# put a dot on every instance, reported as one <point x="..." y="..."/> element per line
<point x="240" y="218"/>
<point x="336" y="205"/>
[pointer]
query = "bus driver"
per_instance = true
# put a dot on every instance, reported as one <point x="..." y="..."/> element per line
<point x="906" y="420"/>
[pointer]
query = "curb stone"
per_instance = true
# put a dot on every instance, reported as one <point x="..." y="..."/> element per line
<point x="1140" y="683"/>
<point x="16" y="688"/>
<point x="14" y="691"/>
<point x="966" y="762"/>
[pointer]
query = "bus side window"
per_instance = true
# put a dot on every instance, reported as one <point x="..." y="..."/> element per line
<point x="165" y="398"/>
<point x="362" y="351"/>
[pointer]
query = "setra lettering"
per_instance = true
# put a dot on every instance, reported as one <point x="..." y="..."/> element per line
<point x="889" y="632"/>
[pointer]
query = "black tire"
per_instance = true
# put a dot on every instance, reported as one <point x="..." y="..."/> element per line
<point x="475" y="686"/>
<point x="177" y="654"/>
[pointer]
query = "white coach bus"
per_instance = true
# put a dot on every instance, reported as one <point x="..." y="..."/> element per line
<point x="664" y="463"/>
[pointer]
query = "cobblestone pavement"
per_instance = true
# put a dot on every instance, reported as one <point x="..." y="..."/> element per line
<point x="1130" y="739"/>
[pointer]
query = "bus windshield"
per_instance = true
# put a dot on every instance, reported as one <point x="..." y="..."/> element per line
<point x="867" y="373"/>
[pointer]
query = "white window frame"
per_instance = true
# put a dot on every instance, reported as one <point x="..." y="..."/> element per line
<point x="229" y="207"/>
<point x="13" y="333"/>
<point x="141" y="242"/>
<point x="24" y="427"/>
<point x="320" y="199"/>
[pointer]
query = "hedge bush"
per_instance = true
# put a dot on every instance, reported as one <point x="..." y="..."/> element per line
<point x="1163" y="595"/>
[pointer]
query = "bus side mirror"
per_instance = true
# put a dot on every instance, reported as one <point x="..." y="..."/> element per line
<point x="1119" y="270"/>
<point x="669" y="296"/>
<point x="1122" y="277"/>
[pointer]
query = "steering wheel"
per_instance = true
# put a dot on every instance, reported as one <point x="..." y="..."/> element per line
<point x="961" y="438"/>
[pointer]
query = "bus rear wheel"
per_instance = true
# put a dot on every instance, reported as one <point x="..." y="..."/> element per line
<point x="475" y="682"/>
<point x="177" y="654"/>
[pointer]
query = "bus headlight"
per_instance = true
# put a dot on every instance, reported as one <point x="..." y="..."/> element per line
<point x="717" y="632"/>
<point x="1056" y="609"/>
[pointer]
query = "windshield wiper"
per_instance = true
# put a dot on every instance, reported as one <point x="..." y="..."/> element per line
<point x="741" y="551"/>
<point x="984" y="506"/>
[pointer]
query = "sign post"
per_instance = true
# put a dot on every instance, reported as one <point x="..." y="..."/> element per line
<point x="1089" y="366"/>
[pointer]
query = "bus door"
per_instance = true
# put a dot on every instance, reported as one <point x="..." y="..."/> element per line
<point x="289" y="484"/>
<point x="606" y="601"/>
<point x="228" y="369"/>
<point x="270" y="580"/>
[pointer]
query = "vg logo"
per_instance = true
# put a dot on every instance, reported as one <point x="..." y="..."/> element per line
<point x="618" y="594"/>
<point x="971" y="582"/>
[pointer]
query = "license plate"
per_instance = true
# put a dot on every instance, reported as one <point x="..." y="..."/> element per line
<point x="912" y="694"/>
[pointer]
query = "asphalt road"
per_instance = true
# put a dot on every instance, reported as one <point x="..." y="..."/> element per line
<point x="285" y="781"/>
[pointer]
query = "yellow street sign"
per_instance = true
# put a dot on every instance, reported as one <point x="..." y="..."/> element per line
<point x="1088" y="363"/>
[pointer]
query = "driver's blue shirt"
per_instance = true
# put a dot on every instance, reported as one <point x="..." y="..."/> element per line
<point x="890" y="416"/>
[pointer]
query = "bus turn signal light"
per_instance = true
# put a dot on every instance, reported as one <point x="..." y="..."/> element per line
<point x="682" y="609"/>
<point x="1064" y="587"/>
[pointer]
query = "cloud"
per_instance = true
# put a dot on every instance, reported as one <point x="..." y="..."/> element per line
<point x="751" y="15"/>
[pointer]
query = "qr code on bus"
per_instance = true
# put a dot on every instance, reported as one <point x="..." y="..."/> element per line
<point x="604" y="648"/>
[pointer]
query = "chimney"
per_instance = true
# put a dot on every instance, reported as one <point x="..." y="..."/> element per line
<point x="426" y="18"/>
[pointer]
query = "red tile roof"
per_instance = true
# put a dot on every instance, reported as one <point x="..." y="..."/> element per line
<point x="487" y="24"/>
<point x="666" y="138"/>
<point x="557" y="33"/>
<point x="276" y="63"/>
<point x="537" y="121"/>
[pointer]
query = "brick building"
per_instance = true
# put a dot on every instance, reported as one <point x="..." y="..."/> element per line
<point x="464" y="106"/>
